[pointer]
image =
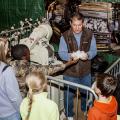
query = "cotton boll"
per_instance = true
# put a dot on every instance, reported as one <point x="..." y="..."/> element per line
<point x="79" y="55"/>
<point x="76" y="55"/>
<point x="83" y="55"/>
<point x="73" y="55"/>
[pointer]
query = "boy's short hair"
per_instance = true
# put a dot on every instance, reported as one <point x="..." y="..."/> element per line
<point x="106" y="83"/>
<point x="18" y="51"/>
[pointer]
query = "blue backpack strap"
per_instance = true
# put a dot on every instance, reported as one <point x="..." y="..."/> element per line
<point x="5" y="67"/>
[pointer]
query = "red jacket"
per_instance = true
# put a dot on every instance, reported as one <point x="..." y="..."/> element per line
<point x="103" y="111"/>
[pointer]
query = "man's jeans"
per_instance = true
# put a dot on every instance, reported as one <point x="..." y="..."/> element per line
<point x="15" y="116"/>
<point x="69" y="96"/>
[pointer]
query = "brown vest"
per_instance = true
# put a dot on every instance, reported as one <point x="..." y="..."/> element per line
<point x="82" y="67"/>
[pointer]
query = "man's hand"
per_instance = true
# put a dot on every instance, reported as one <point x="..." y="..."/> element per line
<point x="84" y="55"/>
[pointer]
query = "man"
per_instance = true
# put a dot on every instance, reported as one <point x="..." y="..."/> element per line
<point x="77" y="42"/>
<point x="22" y="65"/>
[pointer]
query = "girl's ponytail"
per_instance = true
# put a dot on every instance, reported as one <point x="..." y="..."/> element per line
<point x="30" y="98"/>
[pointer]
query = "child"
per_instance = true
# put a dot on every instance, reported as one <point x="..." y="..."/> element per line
<point x="105" y="108"/>
<point x="117" y="96"/>
<point x="36" y="106"/>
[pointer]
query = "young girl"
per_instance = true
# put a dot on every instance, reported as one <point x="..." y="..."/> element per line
<point x="10" y="97"/>
<point x="105" y="108"/>
<point x="36" y="106"/>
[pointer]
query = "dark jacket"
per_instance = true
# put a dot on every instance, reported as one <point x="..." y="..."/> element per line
<point x="82" y="67"/>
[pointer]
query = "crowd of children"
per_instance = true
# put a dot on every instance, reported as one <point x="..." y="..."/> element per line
<point x="36" y="105"/>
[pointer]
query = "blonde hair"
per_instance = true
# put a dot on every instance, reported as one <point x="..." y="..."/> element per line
<point x="36" y="82"/>
<point x="2" y="50"/>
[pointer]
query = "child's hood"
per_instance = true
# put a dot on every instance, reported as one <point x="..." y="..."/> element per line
<point x="107" y="108"/>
